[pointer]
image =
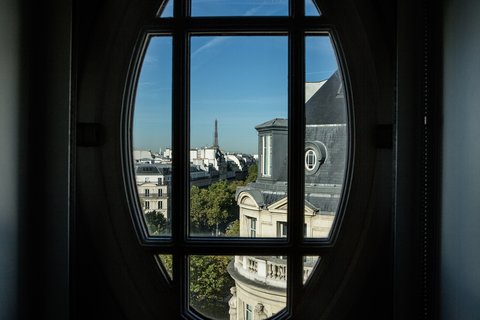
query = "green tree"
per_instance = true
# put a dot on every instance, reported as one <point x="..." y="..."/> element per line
<point x="233" y="229"/>
<point x="156" y="222"/>
<point x="198" y="202"/>
<point x="210" y="284"/>
<point x="212" y="209"/>
<point x="252" y="173"/>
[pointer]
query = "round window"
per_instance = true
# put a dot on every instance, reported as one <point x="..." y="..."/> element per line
<point x="310" y="160"/>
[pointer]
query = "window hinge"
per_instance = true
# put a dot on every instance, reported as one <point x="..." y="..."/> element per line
<point x="90" y="134"/>
<point x="384" y="136"/>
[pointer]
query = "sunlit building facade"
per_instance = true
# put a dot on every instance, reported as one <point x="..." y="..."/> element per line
<point x="260" y="282"/>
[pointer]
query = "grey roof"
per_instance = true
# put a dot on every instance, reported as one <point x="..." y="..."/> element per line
<point x="255" y="193"/>
<point x="335" y="140"/>
<point x="326" y="117"/>
<point x="152" y="169"/>
<point x="323" y="198"/>
<point x="327" y="105"/>
<point x="277" y="122"/>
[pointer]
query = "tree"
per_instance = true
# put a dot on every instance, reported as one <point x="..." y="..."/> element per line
<point x="233" y="229"/>
<point x="210" y="284"/>
<point x="212" y="209"/>
<point x="156" y="222"/>
<point x="252" y="173"/>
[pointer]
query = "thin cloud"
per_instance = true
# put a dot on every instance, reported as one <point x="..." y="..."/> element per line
<point x="210" y="44"/>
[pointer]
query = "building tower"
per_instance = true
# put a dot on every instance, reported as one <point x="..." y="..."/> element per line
<point x="215" y="135"/>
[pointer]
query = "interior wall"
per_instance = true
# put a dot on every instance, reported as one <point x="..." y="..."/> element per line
<point x="460" y="232"/>
<point x="10" y="106"/>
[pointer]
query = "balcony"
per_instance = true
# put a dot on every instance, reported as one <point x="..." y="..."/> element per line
<point x="271" y="271"/>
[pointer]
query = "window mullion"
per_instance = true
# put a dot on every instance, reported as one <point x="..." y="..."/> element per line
<point x="296" y="156"/>
<point x="180" y="124"/>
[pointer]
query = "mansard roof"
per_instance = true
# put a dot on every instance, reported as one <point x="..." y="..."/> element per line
<point x="327" y="105"/>
<point x="323" y="199"/>
<point x="326" y="134"/>
<point x="274" y="123"/>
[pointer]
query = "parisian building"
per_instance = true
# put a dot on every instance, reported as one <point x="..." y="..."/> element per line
<point x="260" y="282"/>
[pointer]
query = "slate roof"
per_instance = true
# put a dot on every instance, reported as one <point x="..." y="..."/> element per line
<point x="277" y="122"/>
<point x="327" y="105"/>
<point x="326" y="125"/>
<point x="152" y="169"/>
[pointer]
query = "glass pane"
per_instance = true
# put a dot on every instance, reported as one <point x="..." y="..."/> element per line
<point x="166" y="10"/>
<point x="309" y="264"/>
<point x="325" y="136"/>
<point x="240" y="287"/>
<point x="166" y="260"/>
<point x="218" y="8"/>
<point x="152" y="135"/>
<point x="238" y="135"/>
<point x="311" y="9"/>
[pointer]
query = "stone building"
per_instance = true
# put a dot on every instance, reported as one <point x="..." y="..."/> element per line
<point x="260" y="282"/>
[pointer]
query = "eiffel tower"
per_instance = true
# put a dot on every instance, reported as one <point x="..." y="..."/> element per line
<point x="215" y="135"/>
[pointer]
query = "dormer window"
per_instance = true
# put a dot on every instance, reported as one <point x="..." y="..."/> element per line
<point x="310" y="160"/>
<point x="251" y="74"/>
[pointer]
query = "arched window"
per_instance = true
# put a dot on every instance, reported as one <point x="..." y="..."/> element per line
<point x="265" y="245"/>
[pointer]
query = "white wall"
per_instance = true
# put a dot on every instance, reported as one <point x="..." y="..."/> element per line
<point x="460" y="232"/>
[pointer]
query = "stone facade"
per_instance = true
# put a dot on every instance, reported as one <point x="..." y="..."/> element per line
<point x="260" y="282"/>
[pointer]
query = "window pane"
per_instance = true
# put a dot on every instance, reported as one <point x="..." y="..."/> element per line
<point x="309" y="264"/>
<point x="218" y="8"/>
<point x="166" y="261"/>
<point x="238" y="135"/>
<point x="325" y="136"/>
<point x="226" y="287"/>
<point x="152" y="135"/>
<point x="311" y="8"/>
<point x="166" y="10"/>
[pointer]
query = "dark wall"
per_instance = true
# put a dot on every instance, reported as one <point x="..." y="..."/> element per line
<point x="34" y="158"/>
<point x="10" y="109"/>
<point x="460" y="254"/>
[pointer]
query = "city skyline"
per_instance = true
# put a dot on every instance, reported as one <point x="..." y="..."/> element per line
<point x="241" y="81"/>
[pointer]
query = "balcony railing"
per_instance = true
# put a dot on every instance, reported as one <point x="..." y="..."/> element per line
<point x="153" y="196"/>
<point x="271" y="271"/>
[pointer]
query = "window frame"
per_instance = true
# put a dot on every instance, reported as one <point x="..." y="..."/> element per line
<point x="266" y="155"/>
<point x="116" y="218"/>
<point x="296" y="139"/>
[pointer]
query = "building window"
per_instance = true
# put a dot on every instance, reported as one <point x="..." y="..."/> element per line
<point x="310" y="160"/>
<point x="281" y="229"/>
<point x="252" y="227"/>
<point x="248" y="312"/>
<point x="266" y="155"/>
<point x="147" y="204"/>
<point x="180" y="39"/>
<point x="264" y="81"/>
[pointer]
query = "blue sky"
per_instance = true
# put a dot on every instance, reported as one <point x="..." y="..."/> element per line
<point x="240" y="8"/>
<point x="241" y="81"/>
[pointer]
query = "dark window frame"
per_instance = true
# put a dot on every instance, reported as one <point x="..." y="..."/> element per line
<point x="296" y="26"/>
<point x="130" y="20"/>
